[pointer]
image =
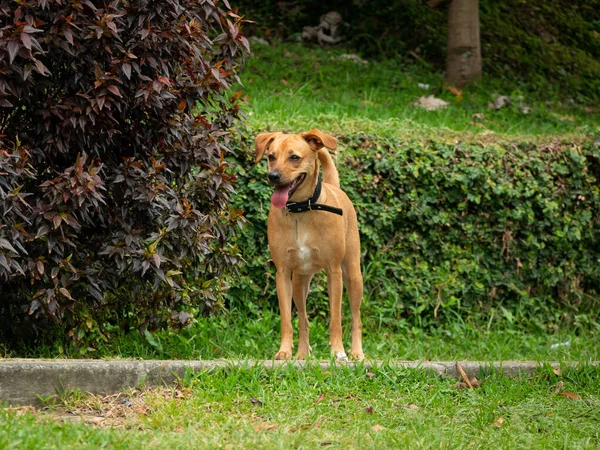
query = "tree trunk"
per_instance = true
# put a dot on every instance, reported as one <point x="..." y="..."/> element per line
<point x="463" y="63"/>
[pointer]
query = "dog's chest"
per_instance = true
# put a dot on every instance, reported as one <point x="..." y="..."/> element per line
<point x="299" y="247"/>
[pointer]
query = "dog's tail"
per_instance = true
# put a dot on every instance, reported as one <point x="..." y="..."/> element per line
<point x="330" y="173"/>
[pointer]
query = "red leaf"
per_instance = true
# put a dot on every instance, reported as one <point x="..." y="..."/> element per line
<point x="164" y="80"/>
<point x="56" y="221"/>
<point x="13" y="48"/>
<point x="69" y="35"/>
<point x="182" y="105"/>
<point x="115" y="90"/>
<point x="42" y="69"/>
<point x="127" y="70"/>
<point x="26" y="40"/>
<point x="570" y="395"/>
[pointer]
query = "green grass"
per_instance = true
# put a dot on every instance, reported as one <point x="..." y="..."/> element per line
<point x="290" y="87"/>
<point x="338" y="407"/>
<point x="252" y="335"/>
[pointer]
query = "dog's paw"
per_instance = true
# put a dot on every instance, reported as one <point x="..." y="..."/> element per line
<point x="301" y="355"/>
<point x="341" y="356"/>
<point x="357" y="355"/>
<point x="283" y="355"/>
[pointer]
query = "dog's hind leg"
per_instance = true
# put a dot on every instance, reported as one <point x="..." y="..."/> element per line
<point x="354" y="286"/>
<point x="334" y="285"/>
<point x="300" y="285"/>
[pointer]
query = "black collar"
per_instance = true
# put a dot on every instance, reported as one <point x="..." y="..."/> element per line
<point x="311" y="204"/>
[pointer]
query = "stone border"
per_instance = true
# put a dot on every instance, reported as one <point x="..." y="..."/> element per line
<point x="27" y="381"/>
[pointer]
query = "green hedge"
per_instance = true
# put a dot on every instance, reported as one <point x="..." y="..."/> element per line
<point x="451" y="230"/>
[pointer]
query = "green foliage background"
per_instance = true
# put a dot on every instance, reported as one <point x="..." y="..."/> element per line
<point x="453" y="229"/>
<point x="553" y="46"/>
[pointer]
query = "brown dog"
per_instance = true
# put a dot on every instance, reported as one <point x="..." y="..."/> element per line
<point x="312" y="226"/>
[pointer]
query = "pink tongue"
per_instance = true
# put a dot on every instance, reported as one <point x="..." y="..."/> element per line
<point x="280" y="196"/>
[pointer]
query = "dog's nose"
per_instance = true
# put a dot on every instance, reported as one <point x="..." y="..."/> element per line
<point x="275" y="177"/>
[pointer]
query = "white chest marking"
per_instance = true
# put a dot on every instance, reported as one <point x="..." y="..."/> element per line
<point x="303" y="250"/>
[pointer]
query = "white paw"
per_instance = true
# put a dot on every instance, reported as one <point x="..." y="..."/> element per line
<point x="341" y="356"/>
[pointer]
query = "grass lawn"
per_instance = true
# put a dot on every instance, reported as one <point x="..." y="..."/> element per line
<point x="290" y="87"/>
<point x="255" y="335"/>
<point x="312" y="408"/>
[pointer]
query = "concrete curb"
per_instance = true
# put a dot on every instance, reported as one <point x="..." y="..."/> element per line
<point x="26" y="381"/>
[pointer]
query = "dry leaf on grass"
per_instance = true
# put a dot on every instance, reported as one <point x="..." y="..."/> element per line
<point x="140" y="410"/>
<point x="411" y="406"/>
<point x="378" y="427"/>
<point x="570" y="395"/>
<point x="320" y="399"/>
<point x="256" y="401"/>
<point x="307" y="426"/>
<point x="498" y="422"/>
<point x="266" y="427"/>
<point x="369" y="410"/>
<point x="370" y="374"/>
<point x="468" y="382"/>
<point x="557" y="372"/>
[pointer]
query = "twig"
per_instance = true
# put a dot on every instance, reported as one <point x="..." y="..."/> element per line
<point x="464" y="375"/>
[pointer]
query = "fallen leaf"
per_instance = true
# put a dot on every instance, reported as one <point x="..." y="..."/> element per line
<point x="475" y="382"/>
<point x="256" y="401"/>
<point x="266" y="427"/>
<point x="284" y="82"/>
<point x="369" y="410"/>
<point x="570" y="395"/>
<point x="411" y="406"/>
<point x="370" y="374"/>
<point x="320" y="399"/>
<point x="498" y="422"/>
<point x="307" y="426"/>
<point x="457" y="92"/>
<point x="378" y="428"/>
<point x="557" y="372"/>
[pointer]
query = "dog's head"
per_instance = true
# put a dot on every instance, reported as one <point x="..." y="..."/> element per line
<point x="292" y="159"/>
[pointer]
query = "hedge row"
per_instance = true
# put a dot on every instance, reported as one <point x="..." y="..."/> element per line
<point x="451" y="229"/>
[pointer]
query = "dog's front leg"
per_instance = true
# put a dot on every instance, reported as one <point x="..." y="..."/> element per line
<point x="283" y="281"/>
<point x="334" y="284"/>
<point x="300" y="285"/>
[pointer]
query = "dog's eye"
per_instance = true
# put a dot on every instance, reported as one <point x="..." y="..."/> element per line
<point x="294" y="158"/>
<point x="271" y="157"/>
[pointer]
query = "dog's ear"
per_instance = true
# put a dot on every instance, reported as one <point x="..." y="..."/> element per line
<point x="317" y="140"/>
<point x="261" y="143"/>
